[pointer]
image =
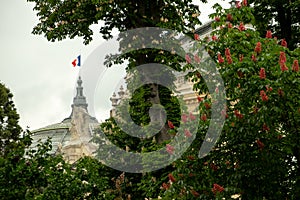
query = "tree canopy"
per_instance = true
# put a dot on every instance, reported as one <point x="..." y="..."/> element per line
<point x="281" y="17"/>
<point x="61" y="19"/>
<point x="258" y="153"/>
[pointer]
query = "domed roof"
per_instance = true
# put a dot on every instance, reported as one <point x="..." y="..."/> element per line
<point x="61" y="133"/>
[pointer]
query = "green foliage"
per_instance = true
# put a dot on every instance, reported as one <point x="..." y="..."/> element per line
<point x="11" y="135"/>
<point x="257" y="156"/>
<point x="61" y="19"/>
<point x="282" y="17"/>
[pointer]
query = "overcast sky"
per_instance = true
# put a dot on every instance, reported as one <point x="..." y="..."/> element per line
<point x="39" y="73"/>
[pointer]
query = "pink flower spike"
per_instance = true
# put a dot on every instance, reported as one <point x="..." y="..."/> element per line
<point x="269" y="34"/>
<point x="258" y="47"/>
<point x="192" y="117"/>
<point x="241" y="27"/>
<point x="188" y="59"/>
<point x="220" y="58"/>
<point x="196" y="58"/>
<point x="295" y="66"/>
<point x="170" y="124"/>
<point x="187" y="133"/>
<point x="283" y="67"/>
<point x="262" y="73"/>
<point x="253" y="58"/>
<point x="199" y="99"/>
<point x="238" y="4"/>
<point x="184" y="118"/>
<point x="284" y="43"/>
<point x="170" y="149"/>
<point x="263" y="95"/>
<point x="282" y="58"/>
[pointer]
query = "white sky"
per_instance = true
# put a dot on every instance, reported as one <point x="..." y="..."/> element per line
<point x="39" y="73"/>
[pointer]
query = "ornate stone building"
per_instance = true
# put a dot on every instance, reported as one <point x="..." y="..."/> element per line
<point x="71" y="137"/>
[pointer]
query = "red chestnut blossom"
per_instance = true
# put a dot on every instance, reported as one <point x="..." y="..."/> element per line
<point x="217" y="188"/>
<point x="187" y="133"/>
<point x="229" y="17"/>
<point x="260" y="144"/>
<point x="238" y="114"/>
<point x="282" y="58"/>
<point x="283" y="43"/>
<point x="188" y="59"/>
<point x="203" y="117"/>
<point x="263" y="95"/>
<point x="199" y="99"/>
<point x="171" y="178"/>
<point x="166" y="186"/>
<point x="207" y="105"/>
<point x="229" y="60"/>
<point x="245" y="3"/>
<point x="217" y="19"/>
<point x="217" y="90"/>
<point x="229" y="25"/>
<point x="295" y="66"/>
<point x="184" y="118"/>
<point x="192" y="117"/>
<point x="269" y="34"/>
<point x="228" y="56"/>
<point x="214" y="38"/>
<point x="238" y="4"/>
<point x="196" y="36"/>
<point x="283" y="67"/>
<point x="241" y="27"/>
<point x="227" y="52"/>
<point x="170" y="148"/>
<point x="269" y="89"/>
<point x="258" y="47"/>
<point x="220" y="58"/>
<point x="253" y="58"/>
<point x="196" y="58"/>
<point x="262" y="73"/>
<point x="170" y="124"/>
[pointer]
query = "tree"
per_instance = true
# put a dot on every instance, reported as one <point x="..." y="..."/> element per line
<point x="61" y="19"/>
<point x="257" y="156"/>
<point x="281" y="17"/>
<point x="27" y="173"/>
<point x="11" y="135"/>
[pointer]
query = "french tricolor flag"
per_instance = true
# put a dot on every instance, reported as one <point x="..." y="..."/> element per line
<point x="77" y="61"/>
